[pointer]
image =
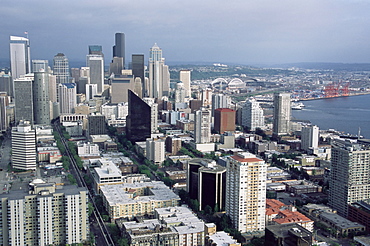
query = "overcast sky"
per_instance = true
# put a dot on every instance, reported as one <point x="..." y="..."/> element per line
<point x="237" y="31"/>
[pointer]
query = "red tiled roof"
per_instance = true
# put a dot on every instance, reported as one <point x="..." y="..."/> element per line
<point x="241" y="159"/>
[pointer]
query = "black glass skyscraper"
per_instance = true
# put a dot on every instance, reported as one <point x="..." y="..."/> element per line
<point x="138" y="69"/>
<point x="138" y="123"/>
<point x="119" y="47"/>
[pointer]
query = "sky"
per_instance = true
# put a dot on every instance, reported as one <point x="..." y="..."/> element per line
<point x="236" y="31"/>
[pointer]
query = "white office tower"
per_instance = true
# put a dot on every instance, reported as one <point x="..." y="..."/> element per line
<point x="53" y="88"/>
<point x="186" y="80"/>
<point x="155" y="150"/>
<point x="44" y="215"/>
<point x="40" y="65"/>
<point x="282" y="114"/>
<point x="202" y="126"/>
<point x="246" y="192"/>
<point x="206" y="97"/>
<point x="41" y="101"/>
<point x="219" y="101"/>
<point x="20" y="63"/>
<point x="67" y="97"/>
<point x="180" y="93"/>
<point x="24" y="147"/>
<point x="159" y="79"/>
<point x="91" y="91"/>
<point x="349" y="175"/>
<point x="252" y="115"/>
<point x="153" y="114"/>
<point x="96" y="67"/>
<point x="309" y="137"/>
<point x="61" y="68"/>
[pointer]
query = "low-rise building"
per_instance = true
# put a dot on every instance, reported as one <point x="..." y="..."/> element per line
<point x="287" y="234"/>
<point x="341" y="225"/>
<point x="128" y="200"/>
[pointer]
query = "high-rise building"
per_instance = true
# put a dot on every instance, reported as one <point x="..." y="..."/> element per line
<point x="91" y="91"/>
<point x="67" y="97"/>
<point x="41" y="101"/>
<point x="96" y="50"/>
<point x="173" y="145"/>
<point x="309" y="137"/>
<point x="202" y="126"/>
<point x="23" y="99"/>
<point x="61" y="68"/>
<point x="4" y="102"/>
<point x="349" y="175"/>
<point x="96" y="67"/>
<point x="282" y="114"/>
<point x="138" y="70"/>
<point x="153" y="114"/>
<point x="120" y="85"/>
<point x="40" y="65"/>
<point x="206" y="182"/>
<point x="246" y="192"/>
<point x="252" y="115"/>
<point x="116" y="66"/>
<point x="138" y="123"/>
<point x="206" y="96"/>
<point x="219" y="101"/>
<point x="159" y="80"/>
<point x="186" y="79"/>
<point x="24" y="147"/>
<point x="155" y="150"/>
<point x="180" y="93"/>
<point x="6" y="84"/>
<point x="224" y="120"/>
<point x="20" y="61"/>
<point x="119" y="47"/>
<point x="96" y="124"/>
<point x="44" y="216"/>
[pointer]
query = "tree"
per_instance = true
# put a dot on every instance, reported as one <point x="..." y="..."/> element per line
<point x="208" y="210"/>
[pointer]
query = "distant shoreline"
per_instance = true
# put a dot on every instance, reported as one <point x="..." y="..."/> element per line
<point x="320" y="98"/>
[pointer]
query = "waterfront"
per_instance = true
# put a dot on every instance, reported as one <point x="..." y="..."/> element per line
<point x="346" y="114"/>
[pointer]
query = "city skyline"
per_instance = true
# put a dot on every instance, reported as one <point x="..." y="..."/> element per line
<point x="240" y="32"/>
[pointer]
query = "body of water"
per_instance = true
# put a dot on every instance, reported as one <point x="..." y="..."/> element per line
<point x="346" y="114"/>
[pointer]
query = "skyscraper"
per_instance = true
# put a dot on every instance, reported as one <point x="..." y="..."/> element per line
<point x="119" y="47"/>
<point x="310" y="137"/>
<point x="23" y="99"/>
<point x="185" y="79"/>
<point x="202" y="126"/>
<point x="159" y="79"/>
<point x="61" y="68"/>
<point x="20" y="62"/>
<point x="252" y="115"/>
<point x="41" y="101"/>
<point x="24" y="147"/>
<point x="67" y="97"/>
<point x="224" y="120"/>
<point x="139" y="118"/>
<point x="246" y="192"/>
<point x="96" y="65"/>
<point x="138" y="71"/>
<point x="4" y="102"/>
<point x="38" y="65"/>
<point x="349" y="175"/>
<point x="95" y="50"/>
<point x="282" y="114"/>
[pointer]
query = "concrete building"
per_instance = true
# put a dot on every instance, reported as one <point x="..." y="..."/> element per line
<point x="61" y="68"/>
<point x="106" y="173"/>
<point x="310" y="137"/>
<point x="40" y="65"/>
<point x="246" y="192"/>
<point x="96" y="124"/>
<point x="219" y="101"/>
<point x="6" y="83"/>
<point x="173" y="145"/>
<point x="153" y="114"/>
<point x="129" y="200"/>
<point x="252" y="115"/>
<point x="224" y="120"/>
<point x="159" y="79"/>
<point x="180" y="93"/>
<point x="282" y="114"/>
<point x="120" y="85"/>
<point x="155" y="150"/>
<point x="23" y="100"/>
<point x="24" y="147"/>
<point x="67" y="97"/>
<point x="185" y="78"/>
<point x="4" y="103"/>
<point x="202" y="126"/>
<point x="349" y="175"/>
<point x="287" y="234"/>
<point x="45" y="215"/>
<point x="96" y="67"/>
<point x="87" y="149"/>
<point x="20" y="58"/>
<point x="41" y="101"/>
<point x="206" y="182"/>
